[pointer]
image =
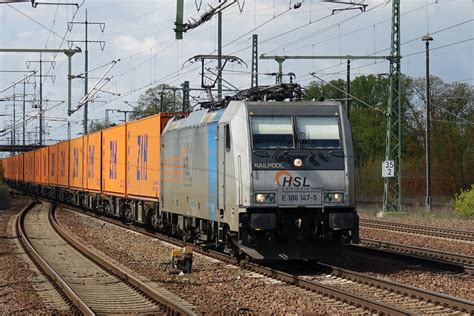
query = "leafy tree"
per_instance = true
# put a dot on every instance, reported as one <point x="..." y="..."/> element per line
<point x="369" y="103"/>
<point x="452" y="142"/>
<point x="98" y="125"/>
<point x="150" y="102"/>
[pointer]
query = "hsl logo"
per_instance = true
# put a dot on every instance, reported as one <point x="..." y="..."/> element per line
<point x="287" y="180"/>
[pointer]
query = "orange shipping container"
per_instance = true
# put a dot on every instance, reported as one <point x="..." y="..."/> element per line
<point x="21" y="161"/>
<point x="63" y="164"/>
<point x="37" y="173"/>
<point x="3" y="167"/>
<point x="143" y="156"/>
<point x="44" y="178"/>
<point x="6" y="168"/>
<point x="10" y="168"/>
<point x="53" y="164"/>
<point x="92" y="162"/>
<point x="16" y="167"/>
<point x="114" y="160"/>
<point x="30" y="167"/>
<point x="75" y="162"/>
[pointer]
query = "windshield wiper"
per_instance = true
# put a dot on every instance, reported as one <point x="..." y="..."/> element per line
<point x="276" y="154"/>
<point x="260" y="153"/>
<point x="313" y="147"/>
<point x="337" y="153"/>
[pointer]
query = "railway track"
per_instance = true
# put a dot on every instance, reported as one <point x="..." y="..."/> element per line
<point x="90" y="282"/>
<point x="412" y="299"/>
<point x="457" y="234"/>
<point x="365" y="292"/>
<point x="465" y="263"/>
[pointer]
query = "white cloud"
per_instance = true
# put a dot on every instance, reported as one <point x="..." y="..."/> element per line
<point x="132" y="44"/>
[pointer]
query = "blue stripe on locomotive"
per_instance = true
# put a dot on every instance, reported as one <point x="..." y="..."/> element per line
<point x="212" y="170"/>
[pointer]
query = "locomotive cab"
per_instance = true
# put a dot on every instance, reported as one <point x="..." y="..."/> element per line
<point x="302" y="193"/>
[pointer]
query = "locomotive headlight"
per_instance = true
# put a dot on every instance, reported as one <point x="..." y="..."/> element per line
<point x="334" y="197"/>
<point x="267" y="198"/>
<point x="297" y="162"/>
<point x="260" y="198"/>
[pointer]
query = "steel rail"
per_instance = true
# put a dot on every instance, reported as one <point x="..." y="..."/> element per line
<point x="407" y="290"/>
<point x="420" y="230"/>
<point x="341" y="295"/>
<point x="171" y="307"/>
<point x="463" y="261"/>
<point x="45" y="267"/>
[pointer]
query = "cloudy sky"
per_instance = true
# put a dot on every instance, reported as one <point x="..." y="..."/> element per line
<point x="140" y="34"/>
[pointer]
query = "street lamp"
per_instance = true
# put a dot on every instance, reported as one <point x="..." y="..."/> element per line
<point x="427" y="39"/>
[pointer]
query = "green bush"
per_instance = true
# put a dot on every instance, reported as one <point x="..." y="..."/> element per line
<point x="464" y="203"/>
<point x="4" y="196"/>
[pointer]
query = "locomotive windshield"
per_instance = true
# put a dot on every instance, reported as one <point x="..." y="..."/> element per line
<point x="272" y="132"/>
<point x="278" y="132"/>
<point x="318" y="131"/>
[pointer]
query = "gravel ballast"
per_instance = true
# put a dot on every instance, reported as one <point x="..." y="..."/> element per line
<point x="458" y="285"/>
<point x="23" y="289"/>
<point x="436" y="243"/>
<point x="213" y="287"/>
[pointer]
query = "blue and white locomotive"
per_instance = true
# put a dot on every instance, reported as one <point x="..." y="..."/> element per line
<point x="272" y="180"/>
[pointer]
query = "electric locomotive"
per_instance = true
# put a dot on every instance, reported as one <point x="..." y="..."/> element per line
<point x="269" y="179"/>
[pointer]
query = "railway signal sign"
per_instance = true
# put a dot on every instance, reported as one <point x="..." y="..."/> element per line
<point x="388" y="169"/>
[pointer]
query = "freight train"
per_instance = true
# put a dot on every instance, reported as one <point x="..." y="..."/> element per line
<point x="264" y="179"/>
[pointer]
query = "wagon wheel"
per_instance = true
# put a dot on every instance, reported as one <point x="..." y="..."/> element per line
<point x="127" y="210"/>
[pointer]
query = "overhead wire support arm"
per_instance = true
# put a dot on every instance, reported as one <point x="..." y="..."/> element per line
<point x="280" y="59"/>
<point x="34" y="4"/>
<point x="17" y="82"/>
<point x="181" y="27"/>
<point x="95" y="89"/>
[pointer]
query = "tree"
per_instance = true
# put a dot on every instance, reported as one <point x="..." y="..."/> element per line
<point x="452" y="143"/>
<point x="157" y="99"/>
<point x="98" y="125"/>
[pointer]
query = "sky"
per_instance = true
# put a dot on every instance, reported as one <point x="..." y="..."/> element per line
<point x="139" y="36"/>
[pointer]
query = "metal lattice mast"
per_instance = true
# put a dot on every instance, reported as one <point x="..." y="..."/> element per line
<point x="393" y="151"/>
<point x="86" y="23"/>
<point x="254" y="79"/>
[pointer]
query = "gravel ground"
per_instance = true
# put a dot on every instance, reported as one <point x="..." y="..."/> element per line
<point x="389" y="269"/>
<point x="213" y="287"/>
<point x="19" y="283"/>
<point x="436" y="243"/>
<point x="443" y="218"/>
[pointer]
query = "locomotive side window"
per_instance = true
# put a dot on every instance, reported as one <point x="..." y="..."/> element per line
<point x="227" y="137"/>
<point x="319" y="131"/>
<point x="271" y="132"/>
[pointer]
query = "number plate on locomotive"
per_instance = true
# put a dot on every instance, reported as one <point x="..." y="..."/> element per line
<point x="299" y="198"/>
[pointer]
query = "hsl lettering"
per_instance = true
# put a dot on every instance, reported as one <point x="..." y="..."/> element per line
<point x="297" y="182"/>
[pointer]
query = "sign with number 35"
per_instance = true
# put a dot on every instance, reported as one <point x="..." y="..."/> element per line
<point x="388" y="169"/>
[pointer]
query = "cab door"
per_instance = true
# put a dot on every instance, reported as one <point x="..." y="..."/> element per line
<point x="223" y="130"/>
